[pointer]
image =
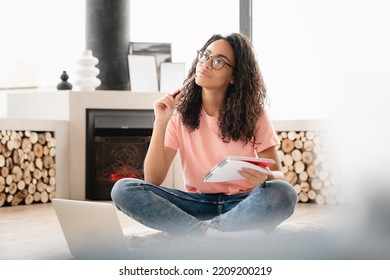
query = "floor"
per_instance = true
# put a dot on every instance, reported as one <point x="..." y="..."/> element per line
<point x="33" y="231"/>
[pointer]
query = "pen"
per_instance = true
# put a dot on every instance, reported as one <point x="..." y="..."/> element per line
<point x="186" y="84"/>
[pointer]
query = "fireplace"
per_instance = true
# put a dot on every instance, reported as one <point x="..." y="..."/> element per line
<point x="116" y="145"/>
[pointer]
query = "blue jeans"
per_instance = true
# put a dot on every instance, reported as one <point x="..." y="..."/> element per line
<point x="179" y="212"/>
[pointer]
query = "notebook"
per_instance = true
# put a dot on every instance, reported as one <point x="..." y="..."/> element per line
<point x="91" y="229"/>
<point x="227" y="169"/>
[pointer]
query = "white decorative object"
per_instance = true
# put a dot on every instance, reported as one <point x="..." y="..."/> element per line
<point x="143" y="73"/>
<point x="87" y="72"/>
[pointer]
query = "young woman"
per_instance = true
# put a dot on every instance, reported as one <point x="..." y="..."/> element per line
<point x="219" y="113"/>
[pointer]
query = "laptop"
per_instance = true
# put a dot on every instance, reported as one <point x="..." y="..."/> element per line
<point x="91" y="229"/>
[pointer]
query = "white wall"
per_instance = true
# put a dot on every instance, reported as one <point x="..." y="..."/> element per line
<point x="295" y="42"/>
<point x="324" y="59"/>
<point x="39" y="39"/>
<point x="362" y="85"/>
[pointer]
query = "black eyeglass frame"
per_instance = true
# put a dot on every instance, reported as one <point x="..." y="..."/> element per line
<point x="204" y="53"/>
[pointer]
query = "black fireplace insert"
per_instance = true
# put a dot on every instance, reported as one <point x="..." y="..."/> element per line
<point x="116" y="145"/>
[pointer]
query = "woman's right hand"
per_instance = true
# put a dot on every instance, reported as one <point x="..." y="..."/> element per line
<point x="165" y="106"/>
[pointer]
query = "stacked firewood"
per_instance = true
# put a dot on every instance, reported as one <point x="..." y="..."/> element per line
<point x="305" y="157"/>
<point x="27" y="167"/>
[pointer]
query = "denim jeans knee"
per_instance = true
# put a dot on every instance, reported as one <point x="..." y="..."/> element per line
<point x="120" y="186"/>
<point x="155" y="206"/>
<point x="286" y="193"/>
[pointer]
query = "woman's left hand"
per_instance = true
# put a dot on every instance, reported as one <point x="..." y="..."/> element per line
<point x="254" y="176"/>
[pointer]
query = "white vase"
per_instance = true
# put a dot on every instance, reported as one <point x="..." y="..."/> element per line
<point x="86" y="71"/>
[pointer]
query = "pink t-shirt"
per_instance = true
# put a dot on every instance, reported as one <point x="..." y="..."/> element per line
<point x="202" y="148"/>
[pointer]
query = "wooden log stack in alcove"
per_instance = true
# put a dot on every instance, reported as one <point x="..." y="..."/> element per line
<point x="27" y="167"/>
<point x="305" y="157"/>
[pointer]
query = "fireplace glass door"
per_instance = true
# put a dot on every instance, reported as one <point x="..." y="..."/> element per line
<point x="117" y="142"/>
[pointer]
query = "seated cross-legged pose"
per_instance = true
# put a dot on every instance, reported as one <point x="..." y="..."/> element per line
<point x="221" y="112"/>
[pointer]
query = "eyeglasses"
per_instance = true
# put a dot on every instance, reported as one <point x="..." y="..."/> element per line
<point x="216" y="62"/>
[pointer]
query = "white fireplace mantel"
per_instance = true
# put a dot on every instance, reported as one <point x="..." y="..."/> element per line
<point x="79" y="102"/>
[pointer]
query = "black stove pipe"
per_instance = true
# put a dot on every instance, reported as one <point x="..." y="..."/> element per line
<point x="107" y="35"/>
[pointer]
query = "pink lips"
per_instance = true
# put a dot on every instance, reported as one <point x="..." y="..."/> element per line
<point x="201" y="74"/>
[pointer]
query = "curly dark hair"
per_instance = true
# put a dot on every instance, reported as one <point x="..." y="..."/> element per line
<point x="245" y="99"/>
